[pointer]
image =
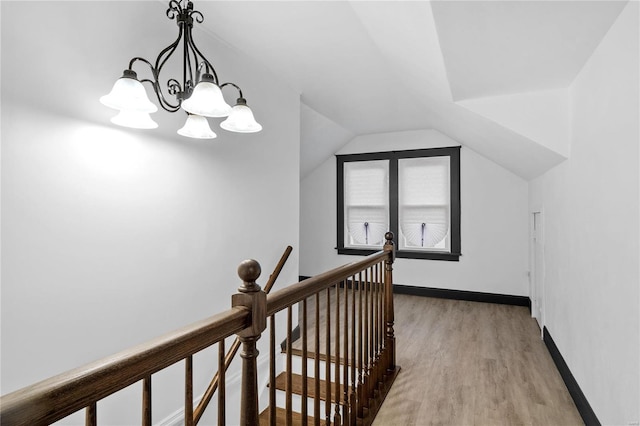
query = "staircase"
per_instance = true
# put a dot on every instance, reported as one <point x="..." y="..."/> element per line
<point x="297" y="392"/>
<point x="357" y="404"/>
<point x="338" y="372"/>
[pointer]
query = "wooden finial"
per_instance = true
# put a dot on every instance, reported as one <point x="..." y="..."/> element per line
<point x="390" y="247"/>
<point x="249" y="271"/>
<point x="389" y="237"/>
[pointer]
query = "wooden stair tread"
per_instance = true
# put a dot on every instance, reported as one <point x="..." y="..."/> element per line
<point x="323" y="357"/>
<point x="281" y="418"/>
<point x="296" y="386"/>
<point x="369" y="411"/>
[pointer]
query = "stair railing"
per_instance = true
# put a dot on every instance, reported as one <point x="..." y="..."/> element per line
<point x="362" y="350"/>
<point x="352" y="333"/>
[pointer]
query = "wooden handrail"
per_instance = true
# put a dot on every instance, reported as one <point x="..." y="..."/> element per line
<point x="57" y="397"/>
<point x="276" y="272"/>
<point x="294" y="293"/>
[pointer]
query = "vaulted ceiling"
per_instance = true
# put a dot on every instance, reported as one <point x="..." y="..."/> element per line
<point x="492" y="75"/>
<point x="482" y="72"/>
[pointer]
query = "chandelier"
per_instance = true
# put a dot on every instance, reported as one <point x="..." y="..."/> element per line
<point x="199" y="93"/>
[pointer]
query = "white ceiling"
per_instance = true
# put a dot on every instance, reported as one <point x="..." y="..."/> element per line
<point x="501" y="47"/>
<point x="383" y="66"/>
<point x="348" y="60"/>
<point x="361" y="67"/>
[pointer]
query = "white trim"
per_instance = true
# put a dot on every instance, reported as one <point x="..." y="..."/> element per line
<point x="177" y="418"/>
<point x="536" y="283"/>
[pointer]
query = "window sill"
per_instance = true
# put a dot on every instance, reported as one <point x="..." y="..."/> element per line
<point x="432" y="255"/>
<point x="404" y="254"/>
<point x="357" y="252"/>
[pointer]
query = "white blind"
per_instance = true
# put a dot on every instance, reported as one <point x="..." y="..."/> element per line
<point x="366" y="195"/>
<point x="424" y="205"/>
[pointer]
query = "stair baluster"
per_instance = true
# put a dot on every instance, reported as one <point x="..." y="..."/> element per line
<point x="360" y="390"/>
<point x="272" y="370"/>
<point x="316" y="365"/>
<point x="352" y="392"/>
<point x="146" y="401"/>
<point x="303" y="401"/>
<point x="337" y="419"/>
<point x="327" y="405"/>
<point x="289" y="371"/>
<point x="222" y="388"/>
<point x="91" y="415"/>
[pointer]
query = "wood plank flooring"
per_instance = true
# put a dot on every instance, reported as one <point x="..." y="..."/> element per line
<point x="471" y="363"/>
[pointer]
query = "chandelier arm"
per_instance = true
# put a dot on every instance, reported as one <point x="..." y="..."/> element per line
<point x="199" y="70"/>
<point x="199" y="17"/>
<point x="166" y="105"/>
<point x="234" y="85"/>
<point x="138" y="58"/>
<point x="187" y="68"/>
<point x="208" y="65"/>
<point x="160" y="61"/>
<point x="174" y="9"/>
<point x="174" y="86"/>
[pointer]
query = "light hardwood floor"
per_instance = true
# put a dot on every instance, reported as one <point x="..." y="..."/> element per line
<point x="471" y="363"/>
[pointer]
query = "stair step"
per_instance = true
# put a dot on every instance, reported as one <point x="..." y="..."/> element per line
<point x="281" y="417"/>
<point x="323" y="357"/>
<point x="296" y="386"/>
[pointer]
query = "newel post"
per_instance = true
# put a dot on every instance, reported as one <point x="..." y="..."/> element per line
<point x="253" y="298"/>
<point x="390" y="339"/>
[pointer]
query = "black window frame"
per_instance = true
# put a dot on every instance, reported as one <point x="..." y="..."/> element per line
<point x="393" y="156"/>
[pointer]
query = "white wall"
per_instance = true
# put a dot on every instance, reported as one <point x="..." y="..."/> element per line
<point x="320" y="137"/>
<point x="591" y="213"/>
<point x="493" y="223"/>
<point x="112" y="236"/>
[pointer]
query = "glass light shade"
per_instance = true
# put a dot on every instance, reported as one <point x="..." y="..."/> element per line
<point x="207" y="99"/>
<point x="134" y="119"/>
<point x="128" y="94"/>
<point x="197" y="127"/>
<point x="241" y="119"/>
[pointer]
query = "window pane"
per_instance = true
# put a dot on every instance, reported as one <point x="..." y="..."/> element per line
<point x="366" y="194"/>
<point x="423" y="204"/>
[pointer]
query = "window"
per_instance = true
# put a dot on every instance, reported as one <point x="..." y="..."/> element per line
<point x="415" y="194"/>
